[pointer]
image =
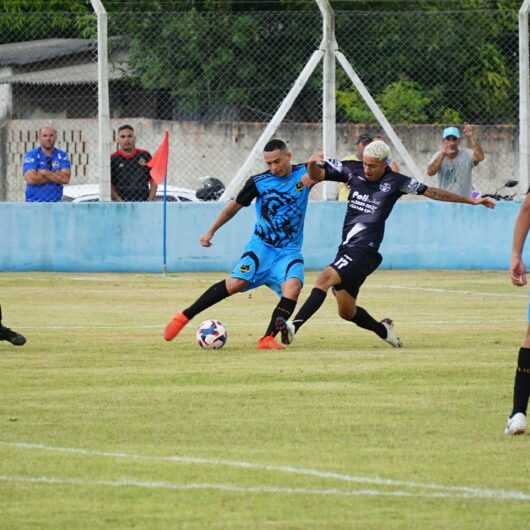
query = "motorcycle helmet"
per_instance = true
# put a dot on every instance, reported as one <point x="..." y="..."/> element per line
<point x="211" y="190"/>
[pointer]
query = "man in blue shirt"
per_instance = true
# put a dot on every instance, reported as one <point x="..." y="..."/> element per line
<point x="273" y="256"/>
<point x="46" y="169"/>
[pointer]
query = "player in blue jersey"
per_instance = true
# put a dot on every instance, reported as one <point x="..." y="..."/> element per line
<point x="273" y="256"/>
<point x="46" y="169"/>
<point x="374" y="189"/>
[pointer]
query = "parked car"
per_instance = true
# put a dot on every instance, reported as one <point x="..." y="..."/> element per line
<point x="90" y="193"/>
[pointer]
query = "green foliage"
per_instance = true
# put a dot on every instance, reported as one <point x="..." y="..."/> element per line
<point x="447" y="115"/>
<point x="25" y="20"/>
<point x="464" y="60"/>
<point x="404" y="102"/>
<point x="401" y="102"/>
<point x="208" y="62"/>
<point x="354" y="107"/>
<point x="215" y="54"/>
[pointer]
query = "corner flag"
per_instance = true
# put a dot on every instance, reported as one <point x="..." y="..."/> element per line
<point x="158" y="163"/>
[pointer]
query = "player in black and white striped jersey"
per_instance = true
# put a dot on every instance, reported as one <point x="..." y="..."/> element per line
<point x="374" y="190"/>
<point x="9" y="335"/>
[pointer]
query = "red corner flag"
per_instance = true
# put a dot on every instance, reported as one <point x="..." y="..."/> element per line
<point x="158" y="163"/>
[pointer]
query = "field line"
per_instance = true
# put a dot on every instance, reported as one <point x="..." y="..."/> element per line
<point x="461" y="490"/>
<point x="446" y="291"/>
<point x="455" y="322"/>
<point x="162" y="485"/>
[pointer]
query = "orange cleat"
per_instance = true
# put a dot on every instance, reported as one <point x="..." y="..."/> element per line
<point x="269" y="343"/>
<point x="175" y="326"/>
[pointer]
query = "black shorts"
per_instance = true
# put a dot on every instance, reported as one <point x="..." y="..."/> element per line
<point x="354" y="265"/>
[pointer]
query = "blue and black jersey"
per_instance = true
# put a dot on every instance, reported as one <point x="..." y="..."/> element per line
<point x="281" y="204"/>
<point x="369" y="203"/>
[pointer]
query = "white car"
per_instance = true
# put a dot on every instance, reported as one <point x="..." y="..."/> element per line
<point x="90" y="193"/>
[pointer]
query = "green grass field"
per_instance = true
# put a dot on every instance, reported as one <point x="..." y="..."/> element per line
<point x="103" y="425"/>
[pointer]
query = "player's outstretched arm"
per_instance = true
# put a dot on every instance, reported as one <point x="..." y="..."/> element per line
<point x="438" y="194"/>
<point x="478" y="153"/>
<point x="522" y="225"/>
<point x="226" y="214"/>
<point x="315" y="169"/>
<point x="436" y="163"/>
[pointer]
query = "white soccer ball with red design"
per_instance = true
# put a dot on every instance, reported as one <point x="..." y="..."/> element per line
<point x="211" y="335"/>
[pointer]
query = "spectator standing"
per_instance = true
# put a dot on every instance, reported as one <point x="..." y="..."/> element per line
<point x="130" y="176"/>
<point x="46" y="169"/>
<point x="454" y="165"/>
<point x="362" y="141"/>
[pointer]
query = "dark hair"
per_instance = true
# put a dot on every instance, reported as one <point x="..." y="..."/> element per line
<point x="364" y="139"/>
<point x="125" y="127"/>
<point x="272" y="145"/>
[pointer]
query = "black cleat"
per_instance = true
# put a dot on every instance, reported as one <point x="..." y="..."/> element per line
<point x="286" y="329"/>
<point x="16" y="339"/>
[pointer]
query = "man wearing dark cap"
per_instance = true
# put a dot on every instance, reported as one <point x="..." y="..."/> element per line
<point x="360" y="144"/>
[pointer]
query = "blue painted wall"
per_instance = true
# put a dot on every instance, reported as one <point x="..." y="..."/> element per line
<point x="128" y="236"/>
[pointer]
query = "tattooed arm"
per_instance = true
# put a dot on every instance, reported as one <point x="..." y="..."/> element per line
<point x="438" y="194"/>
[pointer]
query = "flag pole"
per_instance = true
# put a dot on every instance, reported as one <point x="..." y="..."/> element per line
<point x="164" y="229"/>
<point x="158" y="165"/>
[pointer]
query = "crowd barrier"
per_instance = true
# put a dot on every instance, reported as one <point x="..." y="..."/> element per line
<point x="128" y="237"/>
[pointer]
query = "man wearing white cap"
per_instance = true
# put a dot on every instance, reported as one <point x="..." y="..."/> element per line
<point x="454" y="165"/>
<point x="374" y="189"/>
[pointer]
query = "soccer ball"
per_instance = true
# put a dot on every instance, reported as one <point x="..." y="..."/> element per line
<point x="211" y="335"/>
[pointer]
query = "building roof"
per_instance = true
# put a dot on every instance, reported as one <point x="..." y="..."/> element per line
<point x="66" y="75"/>
<point x="21" y="53"/>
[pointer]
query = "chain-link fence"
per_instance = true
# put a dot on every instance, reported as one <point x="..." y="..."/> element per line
<point x="48" y="83"/>
<point x="215" y="79"/>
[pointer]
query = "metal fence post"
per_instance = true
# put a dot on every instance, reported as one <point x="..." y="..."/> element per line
<point x="329" y="121"/>
<point x="524" y="108"/>
<point x="103" y="102"/>
<point x="273" y="125"/>
<point x="381" y="118"/>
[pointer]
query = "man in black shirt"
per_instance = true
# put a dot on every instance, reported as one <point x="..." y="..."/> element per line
<point x="130" y="177"/>
<point x="16" y="339"/>
<point x="374" y="189"/>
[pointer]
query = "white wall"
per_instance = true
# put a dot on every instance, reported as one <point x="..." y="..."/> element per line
<point x="218" y="149"/>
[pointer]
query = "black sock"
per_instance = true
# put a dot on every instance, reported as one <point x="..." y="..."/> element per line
<point x="364" y="320"/>
<point x="211" y="296"/>
<point x="310" y="307"/>
<point x="521" y="389"/>
<point x="284" y="309"/>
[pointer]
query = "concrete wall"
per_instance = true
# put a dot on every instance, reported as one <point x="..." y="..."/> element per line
<point x="219" y="149"/>
<point x="128" y="236"/>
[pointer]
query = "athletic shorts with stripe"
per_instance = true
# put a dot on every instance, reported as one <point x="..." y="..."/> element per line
<point x="262" y="264"/>
<point x="354" y="265"/>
